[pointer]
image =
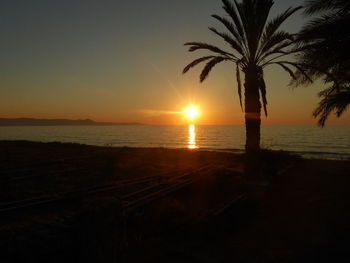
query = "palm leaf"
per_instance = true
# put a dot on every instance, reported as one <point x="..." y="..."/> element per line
<point x="233" y="43"/>
<point x="242" y="18"/>
<point x="239" y="84"/>
<point x="316" y="6"/>
<point x="280" y="38"/>
<point x="275" y="23"/>
<point x="199" y="45"/>
<point x="209" y="66"/>
<point x="300" y="70"/>
<point x="259" y="10"/>
<point x="291" y="73"/>
<point x="231" y="11"/>
<point x="279" y="51"/>
<point x="262" y="88"/>
<point x="232" y="29"/>
<point x="334" y="99"/>
<point x="195" y="63"/>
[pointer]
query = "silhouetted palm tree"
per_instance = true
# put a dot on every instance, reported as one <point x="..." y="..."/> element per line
<point x="325" y="43"/>
<point x="334" y="99"/>
<point x="255" y="43"/>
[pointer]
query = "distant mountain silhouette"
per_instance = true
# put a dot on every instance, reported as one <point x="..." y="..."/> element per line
<point x="56" y="122"/>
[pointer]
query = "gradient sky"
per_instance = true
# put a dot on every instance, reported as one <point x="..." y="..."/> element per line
<point x="121" y="61"/>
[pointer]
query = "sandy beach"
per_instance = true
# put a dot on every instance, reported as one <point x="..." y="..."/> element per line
<point x="168" y="205"/>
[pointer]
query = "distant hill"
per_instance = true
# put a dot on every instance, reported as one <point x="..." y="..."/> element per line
<point x="56" y="122"/>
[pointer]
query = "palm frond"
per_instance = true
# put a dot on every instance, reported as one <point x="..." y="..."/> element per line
<point x="281" y="39"/>
<point x="290" y="72"/>
<point x="316" y="26"/>
<point x="326" y="44"/>
<point x="313" y="71"/>
<point x="209" y="66"/>
<point x="232" y="12"/>
<point x="326" y="40"/>
<point x="280" y="50"/>
<point x="254" y="28"/>
<point x="195" y="63"/>
<point x="333" y="99"/>
<point x="239" y="84"/>
<point x="275" y="23"/>
<point x="230" y="27"/>
<point x="240" y="10"/>
<point x="243" y="10"/>
<point x="300" y="71"/>
<point x="228" y="39"/>
<point x="199" y="45"/>
<point x="262" y="88"/>
<point x="317" y="6"/>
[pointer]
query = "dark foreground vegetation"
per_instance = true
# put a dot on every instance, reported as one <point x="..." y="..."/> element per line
<point x="77" y="203"/>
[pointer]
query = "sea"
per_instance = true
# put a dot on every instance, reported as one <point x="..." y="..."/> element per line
<point x="330" y="142"/>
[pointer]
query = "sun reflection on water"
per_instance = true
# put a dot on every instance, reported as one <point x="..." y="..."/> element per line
<point x="192" y="137"/>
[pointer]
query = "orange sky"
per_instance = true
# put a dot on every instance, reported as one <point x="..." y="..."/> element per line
<point x="81" y="59"/>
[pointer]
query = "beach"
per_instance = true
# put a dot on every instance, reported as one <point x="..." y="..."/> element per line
<point x="175" y="131"/>
<point x="174" y="205"/>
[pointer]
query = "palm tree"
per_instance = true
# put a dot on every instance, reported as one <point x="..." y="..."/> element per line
<point x="254" y="44"/>
<point x="333" y="99"/>
<point x="325" y="53"/>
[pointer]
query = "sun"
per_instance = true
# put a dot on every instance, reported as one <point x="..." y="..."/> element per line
<point x="192" y="112"/>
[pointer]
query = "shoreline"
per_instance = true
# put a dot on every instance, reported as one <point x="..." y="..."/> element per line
<point x="332" y="142"/>
<point x="303" y="154"/>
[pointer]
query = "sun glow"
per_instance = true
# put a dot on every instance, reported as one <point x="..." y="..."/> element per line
<point x="192" y="137"/>
<point x="192" y="112"/>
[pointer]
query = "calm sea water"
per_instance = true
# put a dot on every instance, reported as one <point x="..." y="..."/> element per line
<point x="309" y="141"/>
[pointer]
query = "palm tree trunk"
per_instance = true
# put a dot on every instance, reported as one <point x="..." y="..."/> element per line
<point x="252" y="110"/>
<point x="253" y="166"/>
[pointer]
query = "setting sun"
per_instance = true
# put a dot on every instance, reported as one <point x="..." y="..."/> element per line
<point x="192" y="112"/>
